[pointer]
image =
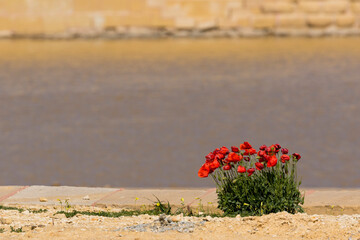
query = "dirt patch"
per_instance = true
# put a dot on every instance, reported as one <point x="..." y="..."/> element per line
<point x="273" y="226"/>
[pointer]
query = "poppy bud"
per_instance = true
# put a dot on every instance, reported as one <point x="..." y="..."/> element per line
<point x="297" y="156"/>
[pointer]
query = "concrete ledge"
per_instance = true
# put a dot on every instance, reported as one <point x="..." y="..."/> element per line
<point x="330" y="201"/>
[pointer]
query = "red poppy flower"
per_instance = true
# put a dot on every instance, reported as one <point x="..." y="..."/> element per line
<point x="216" y="151"/>
<point x="210" y="157"/>
<point x="250" y="171"/>
<point x="261" y="153"/>
<point x="259" y="166"/>
<point x="220" y="156"/>
<point x="214" y="165"/>
<point x="247" y="159"/>
<point x="263" y="147"/>
<point x="234" y="157"/>
<point x="235" y="149"/>
<point x="262" y="159"/>
<point x="250" y="151"/>
<point x="285" y="158"/>
<point x="224" y="150"/>
<point x="272" y="161"/>
<point x="297" y="156"/>
<point x="284" y="151"/>
<point x="245" y="145"/>
<point x="204" y="171"/>
<point x="271" y="150"/>
<point x="227" y="167"/>
<point x="241" y="169"/>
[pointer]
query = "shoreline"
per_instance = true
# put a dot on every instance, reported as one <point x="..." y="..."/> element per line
<point x="140" y="33"/>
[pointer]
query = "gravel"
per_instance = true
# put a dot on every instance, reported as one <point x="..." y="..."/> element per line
<point x="279" y="226"/>
<point x="165" y="223"/>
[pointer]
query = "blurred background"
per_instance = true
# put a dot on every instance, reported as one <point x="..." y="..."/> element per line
<point x="135" y="93"/>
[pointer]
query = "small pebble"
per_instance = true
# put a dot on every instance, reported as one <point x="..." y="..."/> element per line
<point x="5" y="221"/>
<point x="86" y="197"/>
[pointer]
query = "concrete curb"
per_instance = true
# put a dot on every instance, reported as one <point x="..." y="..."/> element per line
<point x="2" y="198"/>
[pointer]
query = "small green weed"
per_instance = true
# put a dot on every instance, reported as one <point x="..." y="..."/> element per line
<point x="37" y="210"/>
<point x="2" y="230"/>
<point x="159" y="207"/>
<point x="65" y="205"/>
<point x="20" y="210"/>
<point x="17" y="230"/>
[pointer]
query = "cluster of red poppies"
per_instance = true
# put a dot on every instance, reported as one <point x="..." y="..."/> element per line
<point x="223" y="157"/>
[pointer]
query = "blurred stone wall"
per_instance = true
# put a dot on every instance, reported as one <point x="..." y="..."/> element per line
<point x="178" y="18"/>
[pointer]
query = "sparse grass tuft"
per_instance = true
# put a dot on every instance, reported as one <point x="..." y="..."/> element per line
<point x="17" y="230"/>
<point x="20" y="210"/>
<point x="159" y="207"/>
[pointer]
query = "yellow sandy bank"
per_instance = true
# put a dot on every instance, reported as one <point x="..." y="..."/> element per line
<point x="178" y="18"/>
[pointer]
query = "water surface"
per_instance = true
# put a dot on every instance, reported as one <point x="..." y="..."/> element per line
<point x="144" y="113"/>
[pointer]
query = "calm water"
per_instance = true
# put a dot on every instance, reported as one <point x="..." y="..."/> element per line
<point x="144" y="113"/>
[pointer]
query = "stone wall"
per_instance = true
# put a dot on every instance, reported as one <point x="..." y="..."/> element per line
<point x="178" y="18"/>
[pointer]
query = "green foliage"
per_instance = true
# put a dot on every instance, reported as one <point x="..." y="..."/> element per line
<point x="66" y="204"/>
<point x="20" y="210"/>
<point x="269" y="192"/>
<point x="128" y="213"/>
<point x="11" y="208"/>
<point x="102" y="213"/>
<point x="17" y="230"/>
<point x="38" y="210"/>
<point x="160" y="207"/>
<point x="2" y="230"/>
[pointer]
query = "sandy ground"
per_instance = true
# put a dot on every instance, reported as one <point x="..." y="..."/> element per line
<point x="274" y="226"/>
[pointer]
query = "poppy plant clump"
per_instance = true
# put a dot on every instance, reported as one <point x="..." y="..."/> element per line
<point x="251" y="182"/>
